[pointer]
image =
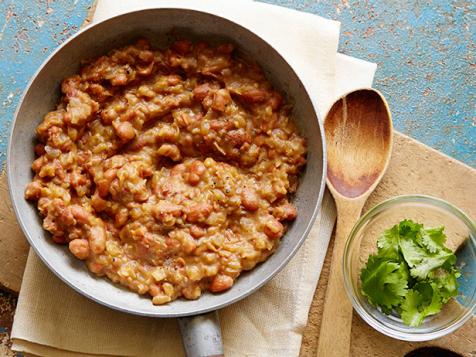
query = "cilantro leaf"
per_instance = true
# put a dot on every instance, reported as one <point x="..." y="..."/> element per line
<point x="420" y="261"/>
<point x="384" y="282"/>
<point x="433" y="239"/>
<point x="431" y="303"/>
<point x="421" y="301"/>
<point x="388" y="244"/>
<point x="408" y="228"/>
<point x="410" y="314"/>
<point x="446" y="283"/>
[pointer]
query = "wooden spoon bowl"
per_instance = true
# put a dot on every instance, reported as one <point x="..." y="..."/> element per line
<point x="359" y="139"/>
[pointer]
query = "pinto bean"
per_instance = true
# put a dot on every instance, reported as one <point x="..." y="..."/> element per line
<point x="33" y="190"/>
<point x="39" y="163"/>
<point x="66" y="216"/>
<point x="249" y="199"/>
<point x="121" y="217"/>
<point x="254" y="95"/>
<point x="103" y="187"/>
<point x="199" y="212"/>
<point x="173" y="79"/>
<point x="220" y="283"/>
<point x="192" y="292"/>
<point x="98" y="203"/>
<point x="104" y="183"/>
<point x="165" y="208"/>
<point x="79" y="248"/>
<point x="197" y="169"/>
<point x="161" y="299"/>
<point x="168" y="170"/>
<point x="197" y="232"/>
<point x="96" y="268"/>
<point x="286" y="211"/>
<point x="193" y="179"/>
<point x="154" y="290"/>
<point x="238" y="137"/>
<point x="125" y="131"/>
<point x="141" y="196"/>
<point x="110" y="174"/>
<point x="80" y="214"/>
<point x="273" y="228"/>
<point x="201" y="91"/>
<point x="97" y="239"/>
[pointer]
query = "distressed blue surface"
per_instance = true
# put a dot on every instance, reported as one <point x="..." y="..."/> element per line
<point x="426" y="65"/>
<point x="467" y="264"/>
<point x="29" y="31"/>
<point x="425" y="52"/>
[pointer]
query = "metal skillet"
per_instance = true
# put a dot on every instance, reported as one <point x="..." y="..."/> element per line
<point x="198" y="322"/>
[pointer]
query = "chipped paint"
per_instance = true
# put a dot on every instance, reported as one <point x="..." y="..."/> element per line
<point x="426" y="65"/>
<point x="425" y="52"/>
<point x="29" y="32"/>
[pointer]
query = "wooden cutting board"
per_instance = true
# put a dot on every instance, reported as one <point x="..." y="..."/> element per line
<point x="414" y="168"/>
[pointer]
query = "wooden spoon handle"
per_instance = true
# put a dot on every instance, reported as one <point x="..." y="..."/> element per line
<point x="334" y="336"/>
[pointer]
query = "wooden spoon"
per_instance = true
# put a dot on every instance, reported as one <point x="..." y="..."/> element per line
<point x="359" y="139"/>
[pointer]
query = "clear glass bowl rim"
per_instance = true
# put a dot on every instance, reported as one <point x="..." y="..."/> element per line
<point x="349" y="288"/>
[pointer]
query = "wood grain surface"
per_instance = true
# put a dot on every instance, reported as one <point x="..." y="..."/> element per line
<point x="414" y="168"/>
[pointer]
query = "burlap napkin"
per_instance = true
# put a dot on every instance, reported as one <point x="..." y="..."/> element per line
<point x="53" y="320"/>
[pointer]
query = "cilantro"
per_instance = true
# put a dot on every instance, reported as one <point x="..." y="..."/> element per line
<point x="446" y="283"/>
<point x="413" y="273"/>
<point x="387" y="278"/>
<point x="420" y="260"/>
<point x="432" y="239"/>
<point x="422" y="301"/>
<point x="388" y="244"/>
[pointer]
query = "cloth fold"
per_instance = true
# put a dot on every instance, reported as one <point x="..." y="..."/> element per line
<point x="53" y="320"/>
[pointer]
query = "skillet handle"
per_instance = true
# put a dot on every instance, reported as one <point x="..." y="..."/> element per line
<point x="201" y="335"/>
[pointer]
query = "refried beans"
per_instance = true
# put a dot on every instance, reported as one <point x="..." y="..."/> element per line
<point x="168" y="171"/>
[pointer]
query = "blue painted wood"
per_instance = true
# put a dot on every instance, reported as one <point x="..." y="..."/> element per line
<point x="426" y="65"/>
<point x="425" y="53"/>
<point x="29" y="31"/>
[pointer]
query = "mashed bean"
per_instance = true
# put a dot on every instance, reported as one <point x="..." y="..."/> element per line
<point x="168" y="171"/>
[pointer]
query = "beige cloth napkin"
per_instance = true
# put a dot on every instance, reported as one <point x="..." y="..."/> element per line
<point x="53" y="320"/>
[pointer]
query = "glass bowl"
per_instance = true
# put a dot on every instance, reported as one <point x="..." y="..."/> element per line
<point x="431" y="212"/>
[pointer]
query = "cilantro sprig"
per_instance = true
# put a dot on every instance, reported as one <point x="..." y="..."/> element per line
<point x="413" y="273"/>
